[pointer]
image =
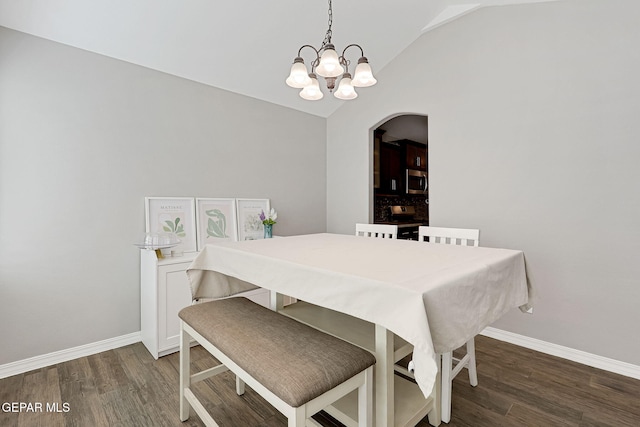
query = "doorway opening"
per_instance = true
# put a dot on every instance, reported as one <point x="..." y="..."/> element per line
<point x="401" y="174"/>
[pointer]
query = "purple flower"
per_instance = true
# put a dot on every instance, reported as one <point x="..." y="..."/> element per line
<point x="262" y="216"/>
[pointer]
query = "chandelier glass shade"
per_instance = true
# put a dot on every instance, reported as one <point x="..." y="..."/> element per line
<point x="312" y="92"/>
<point x="299" y="77"/>
<point x="346" y="90"/>
<point x="363" y="75"/>
<point x="327" y="64"/>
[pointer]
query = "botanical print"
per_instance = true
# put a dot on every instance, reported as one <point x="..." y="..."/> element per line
<point x="172" y="225"/>
<point x="252" y="224"/>
<point x="173" y="215"/>
<point x="216" y="220"/>
<point x="249" y="211"/>
<point x="217" y="224"/>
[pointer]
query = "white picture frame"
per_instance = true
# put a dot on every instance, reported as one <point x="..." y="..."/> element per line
<point x="249" y="224"/>
<point x="173" y="215"/>
<point x="216" y="219"/>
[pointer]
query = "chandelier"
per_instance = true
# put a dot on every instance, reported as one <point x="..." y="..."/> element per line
<point x="330" y="66"/>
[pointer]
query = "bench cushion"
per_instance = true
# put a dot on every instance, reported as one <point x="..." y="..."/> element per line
<point x="294" y="361"/>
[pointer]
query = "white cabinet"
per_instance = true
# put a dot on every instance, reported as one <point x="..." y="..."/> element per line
<point x="164" y="291"/>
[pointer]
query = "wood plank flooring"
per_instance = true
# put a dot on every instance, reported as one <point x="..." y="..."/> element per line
<point x="127" y="387"/>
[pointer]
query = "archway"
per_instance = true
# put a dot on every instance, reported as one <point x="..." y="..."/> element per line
<point x="400" y="173"/>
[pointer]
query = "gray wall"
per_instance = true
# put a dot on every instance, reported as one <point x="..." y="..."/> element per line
<point x="83" y="139"/>
<point x="533" y="138"/>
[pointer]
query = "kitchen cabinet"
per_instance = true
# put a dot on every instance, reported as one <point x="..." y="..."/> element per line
<point x="391" y="162"/>
<point x="164" y="291"/>
<point x="416" y="155"/>
<point x="377" y="140"/>
<point x="391" y="168"/>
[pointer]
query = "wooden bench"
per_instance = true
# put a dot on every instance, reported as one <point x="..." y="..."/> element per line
<point x="297" y="369"/>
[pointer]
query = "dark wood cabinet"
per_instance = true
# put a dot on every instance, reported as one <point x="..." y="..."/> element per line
<point x="397" y="161"/>
<point x="416" y="155"/>
<point x="391" y="168"/>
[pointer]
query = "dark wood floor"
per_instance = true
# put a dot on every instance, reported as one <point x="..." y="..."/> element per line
<point x="127" y="387"/>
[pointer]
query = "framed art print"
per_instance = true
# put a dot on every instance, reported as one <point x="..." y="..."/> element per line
<point x="215" y="220"/>
<point x="174" y="215"/>
<point x="249" y="223"/>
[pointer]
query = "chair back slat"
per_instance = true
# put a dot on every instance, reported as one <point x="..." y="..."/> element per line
<point x="381" y="231"/>
<point x="450" y="236"/>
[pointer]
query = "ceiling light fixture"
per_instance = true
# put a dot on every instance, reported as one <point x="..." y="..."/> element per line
<point x="329" y="65"/>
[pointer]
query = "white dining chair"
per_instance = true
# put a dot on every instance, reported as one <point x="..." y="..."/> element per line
<point x="383" y="231"/>
<point x="449" y="370"/>
<point x="450" y="236"/>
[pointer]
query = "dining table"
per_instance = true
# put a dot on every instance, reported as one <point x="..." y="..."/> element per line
<point x="434" y="296"/>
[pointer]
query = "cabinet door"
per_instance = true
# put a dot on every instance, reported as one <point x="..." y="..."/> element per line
<point x="416" y="156"/>
<point x="377" y="141"/>
<point x="174" y="293"/>
<point x="391" y="165"/>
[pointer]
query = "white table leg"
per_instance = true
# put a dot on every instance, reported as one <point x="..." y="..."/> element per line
<point x="276" y="301"/>
<point x="471" y="366"/>
<point x="445" y="381"/>
<point x="384" y="378"/>
<point x="435" y="415"/>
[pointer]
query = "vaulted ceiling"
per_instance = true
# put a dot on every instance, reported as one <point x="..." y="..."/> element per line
<point x="246" y="46"/>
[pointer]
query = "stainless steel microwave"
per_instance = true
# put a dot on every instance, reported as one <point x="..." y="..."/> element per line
<point x="416" y="182"/>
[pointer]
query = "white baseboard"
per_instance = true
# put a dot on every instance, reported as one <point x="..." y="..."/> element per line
<point x="604" y="363"/>
<point x="37" y="362"/>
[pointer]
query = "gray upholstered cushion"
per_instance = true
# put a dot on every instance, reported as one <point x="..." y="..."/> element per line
<point x="296" y="362"/>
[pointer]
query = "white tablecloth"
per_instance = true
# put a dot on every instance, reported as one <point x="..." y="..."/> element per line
<point x="434" y="296"/>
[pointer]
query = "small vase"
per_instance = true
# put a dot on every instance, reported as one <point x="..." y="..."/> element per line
<point x="268" y="231"/>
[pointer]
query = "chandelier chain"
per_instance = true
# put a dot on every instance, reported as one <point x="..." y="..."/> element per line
<point x="327" y="37"/>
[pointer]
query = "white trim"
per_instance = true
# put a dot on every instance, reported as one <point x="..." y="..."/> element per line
<point x="611" y="365"/>
<point x="600" y="362"/>
<point x="37" y="362"/>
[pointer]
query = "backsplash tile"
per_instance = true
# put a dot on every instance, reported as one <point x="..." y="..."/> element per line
<point x="381" y="211"/>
